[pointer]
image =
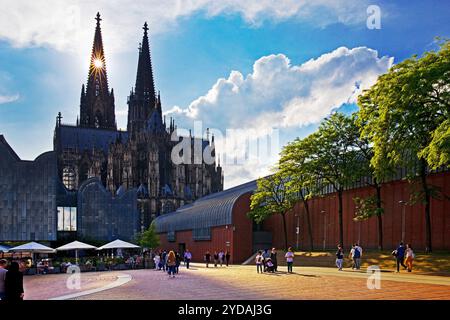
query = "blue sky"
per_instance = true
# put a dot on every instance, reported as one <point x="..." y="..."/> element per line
<point x="41" y="70"/>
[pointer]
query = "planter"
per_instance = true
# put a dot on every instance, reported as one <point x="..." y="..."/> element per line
<point x="30" y="271"/>
<point x="55" y="270"/>
<point x="120" y="267"/>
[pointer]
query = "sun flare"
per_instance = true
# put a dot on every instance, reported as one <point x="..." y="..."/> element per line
<point x="98" y="63"/>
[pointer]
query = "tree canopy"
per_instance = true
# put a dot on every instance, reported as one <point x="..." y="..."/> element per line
<point x="149" y="238"/>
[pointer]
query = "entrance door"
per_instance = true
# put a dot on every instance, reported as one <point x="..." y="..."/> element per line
<point x="181" y="248"/>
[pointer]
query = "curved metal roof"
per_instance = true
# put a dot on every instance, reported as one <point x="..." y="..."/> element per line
<point x="210" y="211"/>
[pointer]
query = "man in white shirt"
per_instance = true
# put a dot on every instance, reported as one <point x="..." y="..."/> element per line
<point x="187" y="258"/>
<point x="289" y="259"/>
<point x="3" y="272"/>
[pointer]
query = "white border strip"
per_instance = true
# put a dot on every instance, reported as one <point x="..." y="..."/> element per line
<point x="121" y="280"/>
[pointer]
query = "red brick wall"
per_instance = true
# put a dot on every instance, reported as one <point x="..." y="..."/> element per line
<point x="243" y="233"/>
<point x="239" y="235"/>
<point x="219" y="237"/>
<point x="367" y="231"/>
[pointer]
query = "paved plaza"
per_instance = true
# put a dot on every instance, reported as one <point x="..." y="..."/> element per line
<point x="238" y="282"/>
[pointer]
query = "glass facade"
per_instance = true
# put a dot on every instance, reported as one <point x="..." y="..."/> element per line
<point x="104" y="217"/>
<point x="67" y="219"/>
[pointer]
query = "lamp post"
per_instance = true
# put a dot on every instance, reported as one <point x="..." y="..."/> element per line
<point x="324" y="229"/>
<point x="403" y="203"/>
<point x="297" y="230"/>
<point x="359" y="227"/>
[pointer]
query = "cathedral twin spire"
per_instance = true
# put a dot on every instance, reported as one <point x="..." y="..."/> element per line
<point x="143" y="101"/>
<point x="97" y="109"/>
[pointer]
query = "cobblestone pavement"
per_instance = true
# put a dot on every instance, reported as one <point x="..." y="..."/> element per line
<point x="242" y="282"/>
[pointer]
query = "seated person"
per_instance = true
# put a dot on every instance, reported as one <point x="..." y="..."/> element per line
<point x="270" y="266"/>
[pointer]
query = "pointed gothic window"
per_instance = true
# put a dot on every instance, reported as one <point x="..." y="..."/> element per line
<point x="98" y="119"/>
<point x="68" y="177"/>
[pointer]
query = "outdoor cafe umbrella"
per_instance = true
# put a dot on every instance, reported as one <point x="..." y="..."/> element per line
<point x="75" y="245"/>
<point x="32" y="247"/>
<point x="118" y="244"/>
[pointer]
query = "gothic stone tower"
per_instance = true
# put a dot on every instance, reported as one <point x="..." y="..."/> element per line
<point x="138" y="159"/>
<point x="97" y="102"/>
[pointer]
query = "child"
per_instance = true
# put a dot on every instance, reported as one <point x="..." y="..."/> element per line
<point x="270" y="266"/>
<point x="259" y="262"/>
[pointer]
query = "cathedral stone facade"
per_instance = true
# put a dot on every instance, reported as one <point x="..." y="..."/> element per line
<point x="139" y="158"/>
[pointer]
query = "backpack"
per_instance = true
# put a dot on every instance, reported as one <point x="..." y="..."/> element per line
<point x="356" y="253"/>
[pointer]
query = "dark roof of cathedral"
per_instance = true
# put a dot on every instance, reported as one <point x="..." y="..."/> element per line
<point x="213" y="210"/>
<point x="154" y="123"/>
<point x="88" y="138"/>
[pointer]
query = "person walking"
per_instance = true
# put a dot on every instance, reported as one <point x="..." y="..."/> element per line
<point x="289" y="259"/>
<point x="266" y="255"/>
<point x="164" y="260"/>
<point x="273" y="257"/>
<point x="178" y="261"/>
<point x="355" y="255"/>
<point x="157" y="260"/>
<point x="216" y="258"/>
<point x="3" y="272"/>
<point x="399" y="255"/>
<point x="207" y="258"/>
<point x="187" y="258"/>
<point x="221" y="257"/>
<point x="409" y="253"/>
<point x="14" y="283"/>
<point x="259" y="262"/>
<point x="339" y="257"/>
<point x="227" y="257"/>
<point x="171" y="263"/>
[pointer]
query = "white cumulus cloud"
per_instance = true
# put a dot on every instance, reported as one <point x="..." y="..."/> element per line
<point x="67" y="25"/>
<point x="8" y="98"/>
<point x="277" y="94"/>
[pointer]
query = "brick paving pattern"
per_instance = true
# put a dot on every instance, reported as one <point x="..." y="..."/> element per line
<point x="242" y="282"/>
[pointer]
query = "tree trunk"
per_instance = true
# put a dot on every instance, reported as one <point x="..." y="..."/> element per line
<point x="380" y="219"/>
<point x="308" y="221"/>
<point x="341" y="220"/>
<point x="283" y="215"/>
<point x="423" y="177"/>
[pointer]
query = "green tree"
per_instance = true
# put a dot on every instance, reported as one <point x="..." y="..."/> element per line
<point x="403" y="113"/>
<point x="292" y="163"/>
<point x="437" y="152"/>
<point x="272" y="196"/>
<point x="334" y="159"/>
<point x="149" y="238"/>
<point x="328" y="156"/>
<point x="371" y="206"/>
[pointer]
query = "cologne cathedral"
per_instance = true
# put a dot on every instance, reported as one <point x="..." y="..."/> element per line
<point x="138" y="158"/>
